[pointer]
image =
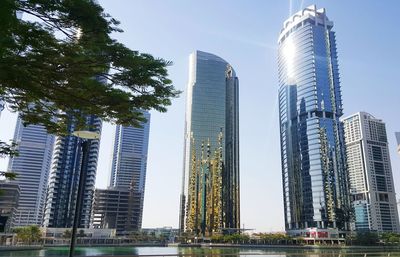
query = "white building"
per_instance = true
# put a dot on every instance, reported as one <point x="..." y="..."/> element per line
<point x="32" y="165"/>
<point x="370" y="174"/>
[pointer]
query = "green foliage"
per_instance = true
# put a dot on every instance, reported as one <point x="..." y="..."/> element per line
<point x="8" y="149"/>
<point x="28" y="235"/>
<point x="67" y="234"/>
<point x="363" y="238"/>
<point x="390" y="238"/>
<point x="8" y="175"/>
<point x="273" y="238"/>
<point x="81" y="233"/>
<point x="62" y="64"/>
<point x="233" y="238"/>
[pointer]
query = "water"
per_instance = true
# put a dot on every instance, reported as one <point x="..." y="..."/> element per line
<point x="197" y="251"/>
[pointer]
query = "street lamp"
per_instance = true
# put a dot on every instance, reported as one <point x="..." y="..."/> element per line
<point x="86" y="136"/>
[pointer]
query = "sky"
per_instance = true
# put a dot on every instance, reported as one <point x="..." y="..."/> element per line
<point x="245" y="34"/>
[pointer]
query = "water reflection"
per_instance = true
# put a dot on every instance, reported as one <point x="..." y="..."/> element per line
<point x="201" y="252"/>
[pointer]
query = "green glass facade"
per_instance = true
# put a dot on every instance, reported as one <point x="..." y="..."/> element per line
<point x="210" y="194"/>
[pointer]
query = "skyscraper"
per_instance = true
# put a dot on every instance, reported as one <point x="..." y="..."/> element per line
<point x="129" y="159"/>
<point x="210" y="199"/>
<point x="398" y="141"/>
<point x="315" y="182"/>
<point x="370" y="172"/>
<point x="35" y="147"/>
<point x="64" y="179"/>
<point x="129" y="163"/>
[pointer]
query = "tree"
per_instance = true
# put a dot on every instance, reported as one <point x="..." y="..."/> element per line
<point x="390" y="238"/>
<point x="67" y="234"/>
<point x="366" y="238"/>
<point x="28" y="234"/>
<point x="7" y="150"/>
<point x="81" y="233"/>
<point x="60" y="63"/>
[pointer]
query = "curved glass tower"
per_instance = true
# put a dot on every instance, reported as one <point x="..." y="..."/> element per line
<point x="210" y="192"/>
<point x="315" y="183"/>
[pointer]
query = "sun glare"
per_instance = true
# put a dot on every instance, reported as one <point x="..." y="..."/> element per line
<point x="289" y="53"/>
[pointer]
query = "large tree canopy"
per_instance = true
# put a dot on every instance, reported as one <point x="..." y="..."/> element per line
<point x="59" y="62"/>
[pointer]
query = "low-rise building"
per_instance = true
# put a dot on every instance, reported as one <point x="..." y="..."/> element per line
<point x="116" y="209"/>
<point x="9" y="196"/>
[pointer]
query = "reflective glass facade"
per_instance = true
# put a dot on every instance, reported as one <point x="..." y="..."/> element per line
<point x="129" y="164"/>
<point x="35" y="147"/>
<point x="315" y="182"/>
<point x="210" y="193"/>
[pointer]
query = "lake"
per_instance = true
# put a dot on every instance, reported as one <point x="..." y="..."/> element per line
<point x="199" y="251"/>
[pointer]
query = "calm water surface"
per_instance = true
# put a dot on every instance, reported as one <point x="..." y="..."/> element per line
<point x="207" y="252"/>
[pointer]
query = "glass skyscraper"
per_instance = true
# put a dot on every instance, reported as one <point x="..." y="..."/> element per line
<point x="370" y="172"/>
<point x="32" y="165"/>
<point x="210" y="199"/>
<point x="315" y="181"/>
<point x="129" y="160"/>
<point x="129" y="163"/>
<point x="64" y="179"/>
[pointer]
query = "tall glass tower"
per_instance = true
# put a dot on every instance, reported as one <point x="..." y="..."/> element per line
<point x="210" y="201"/>
<point x="130" y="156"/>
<point x="64" y="179"/>
<point x="129" y="163"/>
<point x="35" y="147"/>
<point x="315" y="182"/>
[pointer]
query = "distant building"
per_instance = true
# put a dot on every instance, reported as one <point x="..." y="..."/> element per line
<point x="398" y="141"/>
<point x="168" y="233"/>
<point x="35" y="148"/>
<point x="64" y="179"/>
<point x="85" y="236"/>
<point x="128" y="178"/>
<point x="129" y="161"/>
<point x="118" y="209"/>
<point x="9" y="197"/>
<point x="315" y="182"/>
<point x="210" y="198"/>
<point x="371" y="179"/>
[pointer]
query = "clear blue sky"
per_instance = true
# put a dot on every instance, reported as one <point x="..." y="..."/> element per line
<point x="245" y="34"/>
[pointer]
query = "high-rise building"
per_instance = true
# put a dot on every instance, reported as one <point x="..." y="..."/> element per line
<point x="210" y="199"/>
<point x="315" y="181"/>
<point x="32" y="165"/>
<point x="129" y="163"/>
<point x="129" y="159"/>
<point x="398" y="141"/>
<point x="370" y="174"/>
<point x="64" y="179"/>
